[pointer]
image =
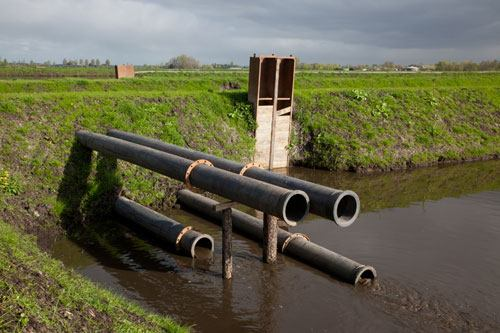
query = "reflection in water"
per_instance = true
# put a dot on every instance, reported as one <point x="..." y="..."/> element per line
<point x="432" y="234"/>
<point x="401" y="188"/>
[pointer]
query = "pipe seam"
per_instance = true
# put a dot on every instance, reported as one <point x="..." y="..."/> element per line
<point x="190" y="169"/>
<point x="249" y="166"/>
<point x="180" y="235"/>
<point x="292" y="237"/>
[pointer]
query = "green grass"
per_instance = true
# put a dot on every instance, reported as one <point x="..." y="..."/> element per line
<point x="38" y="294"/>
<point x="42" y="127"/>
<point x="34" y="71"/>
<point x="47" y="180"/>
<point x="216" y="81"/>
<point x="395" y="128"/>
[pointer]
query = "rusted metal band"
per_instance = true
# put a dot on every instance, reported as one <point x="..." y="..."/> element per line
<point x="291" y="237"/>
<point x="191" y="168"/>
<point x="249" y="166"/>
<point x="180" y="235"/>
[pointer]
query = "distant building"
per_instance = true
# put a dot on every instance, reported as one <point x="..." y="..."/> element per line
<point x="412" y="68"/>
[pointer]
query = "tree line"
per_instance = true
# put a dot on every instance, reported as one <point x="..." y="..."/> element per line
<point x="184" y="61"/>
<point x="466" y="66"/>
<point x="65" y="62"/>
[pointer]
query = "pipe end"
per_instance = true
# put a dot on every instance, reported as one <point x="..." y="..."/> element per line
<point x="346" y="208"/>
<point x="295" y="207"/>
<point x="202" y="247"/>
<point x="365" y="273"/>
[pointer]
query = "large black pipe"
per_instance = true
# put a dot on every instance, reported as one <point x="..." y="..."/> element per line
<point x="340" y="206"/>
<point x="295" y="245"/>
<point x="291" y="206"/>
<point x="175" y="233"/>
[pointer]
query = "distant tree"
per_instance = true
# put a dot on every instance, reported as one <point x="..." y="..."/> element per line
<point x="207" y="67"/>
<point x="98" y="62"/>
<point x="80" y="62"/>
<point x="183" y="62"/>
<point x="488" y="65"/>
<point x="107" y="62"/>
<point x="388" y="66"/>
<point x="65" y="62"/>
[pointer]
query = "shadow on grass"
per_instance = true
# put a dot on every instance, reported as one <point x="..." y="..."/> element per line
<point x="88" y="217"/>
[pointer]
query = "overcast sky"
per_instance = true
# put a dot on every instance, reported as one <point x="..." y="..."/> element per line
<point x="335" y="31"/>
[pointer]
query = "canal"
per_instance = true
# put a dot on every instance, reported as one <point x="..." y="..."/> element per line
<point x="433" y="234"/>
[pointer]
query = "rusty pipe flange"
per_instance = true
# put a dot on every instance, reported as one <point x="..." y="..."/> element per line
<point x="190" y="169"/>
<point x="180" y="235"/>
<point x="292" y="237"/>
<point x="249" y="166"/>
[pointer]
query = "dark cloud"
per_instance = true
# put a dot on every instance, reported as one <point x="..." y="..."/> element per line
<point x="341" y="31"/>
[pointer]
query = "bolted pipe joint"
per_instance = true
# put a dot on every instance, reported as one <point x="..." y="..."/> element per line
<point x="174" y="233"/>
<point x="345" y="208"/>
<point x="342" y="207"/>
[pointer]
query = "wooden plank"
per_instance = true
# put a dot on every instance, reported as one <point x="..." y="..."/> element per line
<point x="275" y="109"/>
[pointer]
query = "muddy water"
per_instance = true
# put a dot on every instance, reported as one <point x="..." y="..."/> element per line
<point x="432" y="234"/>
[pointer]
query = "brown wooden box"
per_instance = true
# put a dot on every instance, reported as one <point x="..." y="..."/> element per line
<point x="122" y="71"/>
<point x="270" y="90"/>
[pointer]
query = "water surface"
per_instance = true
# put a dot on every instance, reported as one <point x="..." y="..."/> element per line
<point x="433" y="235"/>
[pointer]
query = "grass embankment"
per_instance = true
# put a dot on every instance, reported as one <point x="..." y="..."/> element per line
<point x="37" y="294"/>
<point x="362" y="129"/>
<point x="47" y="180"/>
<point x="38" y="71"/>
<point x="377" y="121"/>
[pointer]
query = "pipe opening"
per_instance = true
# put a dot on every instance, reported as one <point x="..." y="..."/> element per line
<point x="296" y="207"/>
<point x="202" y="247"/>
<point x="346" y="209"/>
<point x="365" y="274"/>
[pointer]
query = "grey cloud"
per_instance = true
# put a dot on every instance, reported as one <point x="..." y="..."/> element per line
<point x="148" y="31"/>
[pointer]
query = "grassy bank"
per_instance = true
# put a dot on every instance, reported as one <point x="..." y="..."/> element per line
<point x="363" y="129"/>
<point x="223" y="80"/>
<point x="48" y="181"/>
<point x="37" y="294"/>
<point x="37" y="71"/>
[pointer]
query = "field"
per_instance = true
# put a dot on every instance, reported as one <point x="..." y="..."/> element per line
<point x="37" y="71"/>
<point x="341" y="122"/>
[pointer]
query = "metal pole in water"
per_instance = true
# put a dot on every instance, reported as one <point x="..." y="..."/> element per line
<point x="340" y="206"/>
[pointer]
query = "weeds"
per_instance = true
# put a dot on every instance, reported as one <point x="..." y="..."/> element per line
<point x="360" y="94"/>
<point x="8" y="184"/>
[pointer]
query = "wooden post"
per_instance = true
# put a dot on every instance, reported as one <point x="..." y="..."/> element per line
<point x="275" y="110"/>
<point x="270" y="244"/>
<point x="227" y="235"/>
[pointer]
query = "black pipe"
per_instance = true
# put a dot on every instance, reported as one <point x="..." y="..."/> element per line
<point x="340" y="206"/>
<point x="295" y="245"/>
<point x="291" y="206"/>
<point x="175" y="233"/>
